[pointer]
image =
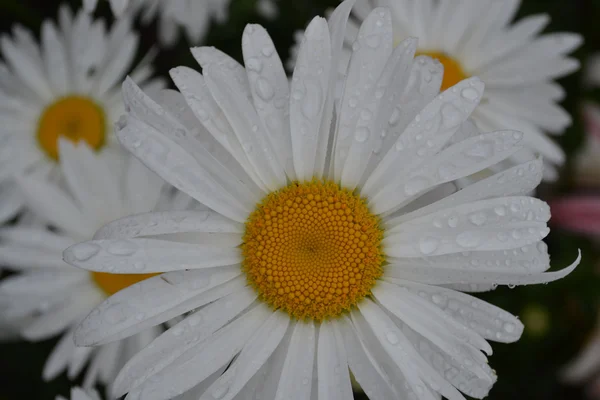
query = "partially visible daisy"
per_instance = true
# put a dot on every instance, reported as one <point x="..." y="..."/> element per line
<point x="580" y="212"/>
<point x="49" y="297"/>
<point x="118" y="7"/>
<point x="267" y="8"/>
<point x="80" y="394"/>
<point x="193" y="17"/>
<point x="333" y="243"/>
<point x="585" y="367"/>
<point x="65" y="87"/>
<point x="515" y="61"/>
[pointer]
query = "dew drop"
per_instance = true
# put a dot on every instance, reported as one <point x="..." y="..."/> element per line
<point x="84" y="251"/>
<point x="264" y="89"/>
<point x="451" y="116"/>
<point x="470" y="94"/>
<point x="392" y="338"/>
<point x="500" y="210"/>
<point x="254" y="64"/>
<point x="395" y="117"/>
<point x="509" y="327"/>
<point x="268" y="50"/>
<point x="428" y="245"/>
<point x="415" y="185"/>
<point x="478" y="218"/>
<point x="362" y="134"/>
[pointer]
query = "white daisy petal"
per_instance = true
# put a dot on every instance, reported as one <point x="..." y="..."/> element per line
<point x="135" y="256"/>
<point x="270" y="91"/>
<point x="193" y="87"/>
<point x="422" y="85"/>
<point x="169" y="295"/>
<point x="473" y="376"/>
<point x="203" y="360"/>
<point x="26" y="68"/>
<point x="338" y="21"/>
<point x="333" y="377"/>
<point x="296" y="371"/>
<point x="489" y="321"/>
<point x="59" y="358"/>
<point x="190" y="332"/>
<point x="460" y="160"/>
<point x="52" y="204"/>
<point x="11" y="200"/>
<point x="417" y="372"/>
<point x="518" y="180"/>
<point x="525" y="260"/>
<point x="79" y="358"/>
<point x="157" y="223"/>
<point x="40" y="283"/>
<point x="177" y="133"/>
<point x="89" y="179"/>
<point x="183" y="171"/>
<point x="35" y="238"/>
<point x="495" y="224"/>
<point x="309" y="89"/>
<point x="365" y="57"/>
<point x="429" y="132"/>
<point x="363" y="365"/>
<point x="374" y="118"/>
<point x="247" y="126"/>
<point x="253" y="356"/>
<point x="57" y="319"/>
<point x="517" y="35"/>
<point x="439" y="276"/>
<point x="209" y="57"/>
<point x="411" y="309"/>
<point x="55" y="57"/>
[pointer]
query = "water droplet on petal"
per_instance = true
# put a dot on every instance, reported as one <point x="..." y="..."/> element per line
<point x="451" y="116"/>
<point x="268" y="50"/>
<point x="470" y="94"/>
<point x="392" y="338"/>
<point x="85" y="251"/>
<point x="264" y="89"/>
<point x="254" y="64"/>
<point x="428" y="245"/>
<point x="362" y="134"/>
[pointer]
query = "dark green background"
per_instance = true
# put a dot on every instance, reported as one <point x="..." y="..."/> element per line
<point x="527" y="369"/>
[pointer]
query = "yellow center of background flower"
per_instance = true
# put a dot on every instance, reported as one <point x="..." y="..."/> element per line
<point x="453" y="71"/>
<point x="75" y="118"/>
<point x="112" y="283"/>
<point x="312" y="250"/>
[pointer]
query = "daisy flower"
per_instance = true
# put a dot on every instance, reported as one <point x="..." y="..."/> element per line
<point x="64" y="87"/>
<point x="515" y="61"/>
<point x="338" y="236"/>
<point x="46" y="296"/>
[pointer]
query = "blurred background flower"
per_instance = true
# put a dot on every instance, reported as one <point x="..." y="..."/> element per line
<point x="559" y="320"/>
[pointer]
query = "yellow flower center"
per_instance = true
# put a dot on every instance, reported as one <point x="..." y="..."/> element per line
<point x="453" y="71"/>
<point x="75" y="118"/>
<point x="313" y="250"/>
<point x="112" y="283"/>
